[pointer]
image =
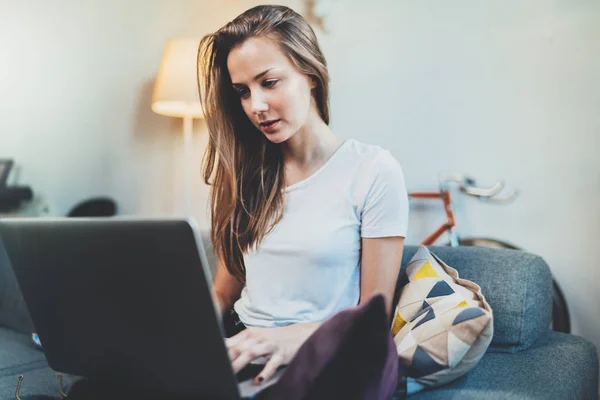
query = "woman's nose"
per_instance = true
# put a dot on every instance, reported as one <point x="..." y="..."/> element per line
<point x="258" y="105"/>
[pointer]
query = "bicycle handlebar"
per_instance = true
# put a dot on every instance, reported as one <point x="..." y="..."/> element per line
<point x="467" y="185"/>
<point x="481" y="192"/>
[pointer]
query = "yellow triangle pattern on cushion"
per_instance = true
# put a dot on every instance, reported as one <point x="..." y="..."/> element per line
<point x="399" y="322"/>
<point x="426" y="271"/>
<point x="462" y="304"/>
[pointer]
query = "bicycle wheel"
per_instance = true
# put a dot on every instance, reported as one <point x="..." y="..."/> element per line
<point x="561" y="321"/>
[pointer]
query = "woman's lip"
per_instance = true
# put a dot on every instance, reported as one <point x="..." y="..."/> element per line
<point x="271" y="127"/>
<point x="264" y="123"/>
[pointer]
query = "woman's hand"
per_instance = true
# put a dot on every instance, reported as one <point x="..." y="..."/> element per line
<point x="280" y="345"/>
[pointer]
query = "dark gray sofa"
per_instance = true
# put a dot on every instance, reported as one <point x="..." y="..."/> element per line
<point x="525" y="361"/>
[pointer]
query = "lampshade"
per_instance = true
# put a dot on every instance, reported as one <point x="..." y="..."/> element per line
<point x="176" y="89"/>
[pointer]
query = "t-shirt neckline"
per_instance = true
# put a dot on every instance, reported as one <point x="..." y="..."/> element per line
<point x="307" y="180"/>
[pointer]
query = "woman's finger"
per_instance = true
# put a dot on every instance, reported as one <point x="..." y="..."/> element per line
<point x="258" y="349"/>
<point x="235" y="351"/>
<point x="274" y="362"/>
<point x="232" y="341"/>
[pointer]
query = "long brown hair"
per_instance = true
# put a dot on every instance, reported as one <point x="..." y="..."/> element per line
<point x="247" y="171"/>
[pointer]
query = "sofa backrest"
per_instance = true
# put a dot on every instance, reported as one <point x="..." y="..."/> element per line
<point x="516" y="284"/>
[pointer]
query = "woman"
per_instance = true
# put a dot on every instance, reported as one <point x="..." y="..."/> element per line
<point x="304" y="223"/>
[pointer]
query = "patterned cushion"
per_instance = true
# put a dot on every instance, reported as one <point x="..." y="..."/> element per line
<point x="442" y="325"/>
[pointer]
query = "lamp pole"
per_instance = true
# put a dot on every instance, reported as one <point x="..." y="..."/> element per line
<point x="188" y="123"/>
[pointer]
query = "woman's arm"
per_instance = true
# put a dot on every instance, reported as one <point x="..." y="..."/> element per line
<point x="380" y="266"/>
<point x="226" y="288"/>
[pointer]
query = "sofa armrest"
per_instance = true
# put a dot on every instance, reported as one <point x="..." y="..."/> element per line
<point x="516" y="284"/>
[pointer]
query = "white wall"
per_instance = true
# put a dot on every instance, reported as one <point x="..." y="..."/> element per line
<point x="498" y="89"/>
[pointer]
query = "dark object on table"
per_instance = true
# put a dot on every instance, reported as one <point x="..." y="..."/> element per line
<point x="11" y="197"/>
<point x="5" y="167"/>
<point x="95" y="207"/>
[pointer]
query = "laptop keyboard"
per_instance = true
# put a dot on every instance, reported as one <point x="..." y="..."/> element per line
<point x="249" y="372"/>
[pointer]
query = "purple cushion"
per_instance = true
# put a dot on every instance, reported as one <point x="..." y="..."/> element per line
<point x="351" y="356"/>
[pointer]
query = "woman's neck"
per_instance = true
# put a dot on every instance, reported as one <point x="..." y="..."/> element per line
<point x="313" y="144"/>
<point x="308" y="150"/>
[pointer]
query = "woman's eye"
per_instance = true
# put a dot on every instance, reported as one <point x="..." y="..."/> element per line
<point x="243" y="93"/>
<point x="270" y="83"/>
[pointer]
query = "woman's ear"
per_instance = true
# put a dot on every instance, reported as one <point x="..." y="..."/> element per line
<point x="313" y="82"/>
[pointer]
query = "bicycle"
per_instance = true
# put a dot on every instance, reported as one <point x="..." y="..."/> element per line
<point x="467" y="185"/>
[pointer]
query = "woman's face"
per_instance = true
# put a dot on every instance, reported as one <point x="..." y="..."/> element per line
<point x="274" y="94"/>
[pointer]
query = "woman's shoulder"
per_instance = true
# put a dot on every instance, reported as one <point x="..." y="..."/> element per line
<point x="370" y="154"/>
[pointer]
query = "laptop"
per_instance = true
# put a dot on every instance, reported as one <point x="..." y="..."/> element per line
<point x="125" y="302"/>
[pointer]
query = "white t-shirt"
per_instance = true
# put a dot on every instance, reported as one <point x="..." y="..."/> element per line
<point x="308" y="267"/>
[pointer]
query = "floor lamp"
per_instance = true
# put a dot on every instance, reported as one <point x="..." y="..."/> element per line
<point x="176" y="95"/>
